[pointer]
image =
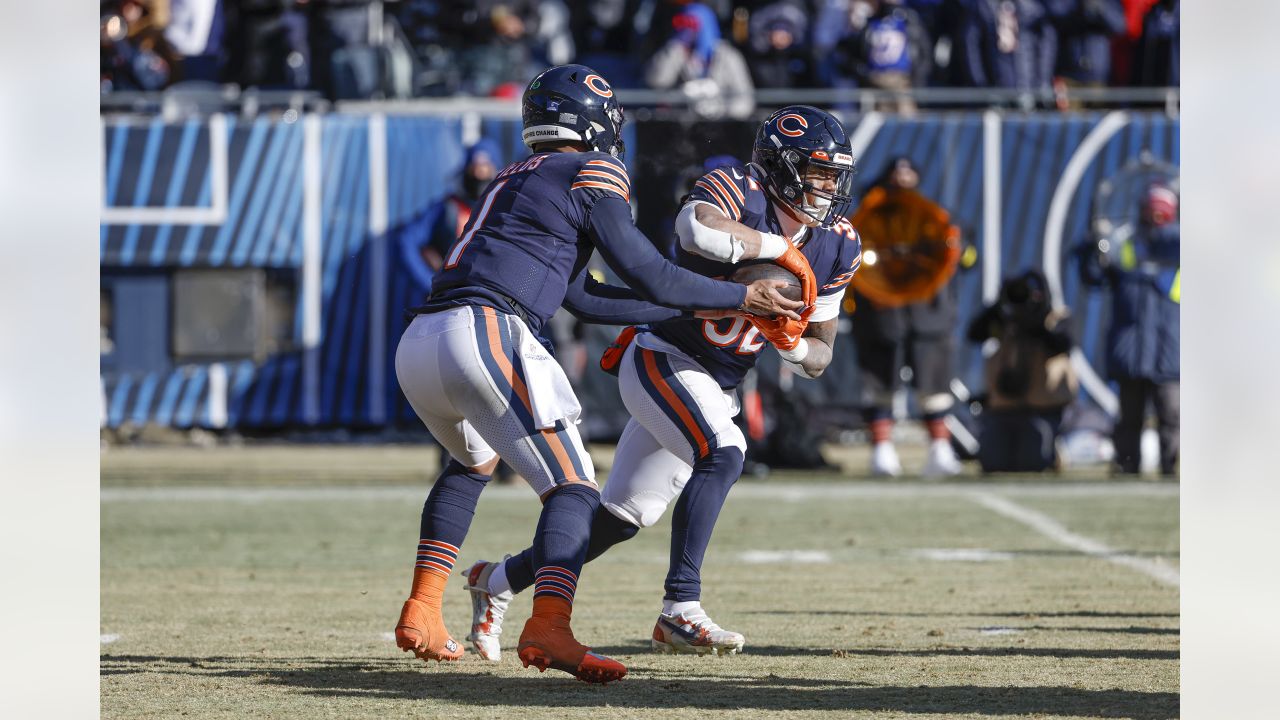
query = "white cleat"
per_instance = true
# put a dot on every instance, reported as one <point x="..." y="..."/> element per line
<point x="692" y="632"/>
<point x="942" y="460"/>
<point x="486" y="611"/>
<point x="884" y="460"/>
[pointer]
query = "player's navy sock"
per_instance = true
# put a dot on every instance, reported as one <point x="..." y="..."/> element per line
<point x="936" y="424"/>
<point x="607" y="530"/>
<point x="695" y="517"/>
<point x="520" y="570"/>
<point x="879" y="423"/>
<point x="446" y="516"/>
<point x="560" y="547"/>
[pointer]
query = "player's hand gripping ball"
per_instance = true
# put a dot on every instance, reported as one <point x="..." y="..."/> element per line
<point x="794" y="262"/>
<point x="748" y="274"/>
<point x="783" y="333"/>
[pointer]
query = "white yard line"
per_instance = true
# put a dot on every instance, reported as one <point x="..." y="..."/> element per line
<point x="773" y="491"/>
<point x="1055" y="531"/>
<point x="767" y="557"/>
<point x="962" y="554"/>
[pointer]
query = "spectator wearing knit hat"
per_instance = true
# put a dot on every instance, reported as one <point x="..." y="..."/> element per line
<point x="779" y="58"/>
<point x="706" y="68"/>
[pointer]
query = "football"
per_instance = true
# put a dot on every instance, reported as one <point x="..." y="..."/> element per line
<point x="748" y="274"/>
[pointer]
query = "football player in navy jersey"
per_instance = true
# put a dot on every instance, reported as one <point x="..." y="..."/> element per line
<point x="679" y="376"/>
<point x="475" y="371"/>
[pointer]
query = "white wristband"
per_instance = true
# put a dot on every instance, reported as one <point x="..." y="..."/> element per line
<point x="796" y="354"/>
<point x="772" y="246"/>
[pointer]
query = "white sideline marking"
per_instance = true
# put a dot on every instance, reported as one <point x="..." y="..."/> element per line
<point x="962" y="554"/>
<point x="773" y="491"/>
<point x="991" y="212"/>
<point x="217" y="397"/>
<point x="865" y="133"/>
<point x="998" y="630"/>
<point x="214" y="214"/>
<point x="311" y="292"/>
<point x="108" y="638"/>
<point x="1052" y="529"/>
<point x="378" y="267"/>
<point x="1055" y="226"/>
<point x="762" y="557"/>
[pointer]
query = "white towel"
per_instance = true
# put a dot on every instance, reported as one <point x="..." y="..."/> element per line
<point x="550" y="393"/>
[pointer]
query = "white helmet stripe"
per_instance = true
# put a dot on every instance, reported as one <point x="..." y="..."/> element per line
<point x="543" y="133"/>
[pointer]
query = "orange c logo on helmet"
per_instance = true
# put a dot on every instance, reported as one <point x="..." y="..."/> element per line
<point x="782" y="127"/>
<point x="598" y="85"/>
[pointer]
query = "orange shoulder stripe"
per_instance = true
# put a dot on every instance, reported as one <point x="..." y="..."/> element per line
<point x="603" y="186"/>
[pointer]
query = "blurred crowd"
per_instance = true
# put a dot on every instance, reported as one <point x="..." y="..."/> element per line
<point x="714" y="49"/>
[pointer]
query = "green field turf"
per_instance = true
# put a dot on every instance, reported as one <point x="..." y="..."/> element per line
<point x="223" y="597"/>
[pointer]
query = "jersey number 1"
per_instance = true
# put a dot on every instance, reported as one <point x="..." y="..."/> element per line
<point x="476" y="221"/>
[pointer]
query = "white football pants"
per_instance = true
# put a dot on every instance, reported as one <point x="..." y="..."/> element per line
<point x="679" y="414"/>
<point x="462" y="372"/>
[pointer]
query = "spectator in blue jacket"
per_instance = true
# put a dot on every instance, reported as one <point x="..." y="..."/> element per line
<point x="886" y="47"/>
<point x="1143" y="342"/>
<point x="478" y="170"/>
<point x="1084" y="29"/>
<point x="1004" y="43"/>
<point x="1155" y="61"/>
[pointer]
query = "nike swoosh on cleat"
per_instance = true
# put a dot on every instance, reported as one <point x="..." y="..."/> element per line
<point x="689" y="635"/>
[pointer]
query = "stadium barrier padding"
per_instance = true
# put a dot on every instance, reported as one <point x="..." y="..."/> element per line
<point x="150" y="163"/>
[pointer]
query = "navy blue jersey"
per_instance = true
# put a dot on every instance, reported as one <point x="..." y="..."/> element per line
<point x="525" y="249"/>
<point x="528" y="235"/>
<point x="728" y="348"/>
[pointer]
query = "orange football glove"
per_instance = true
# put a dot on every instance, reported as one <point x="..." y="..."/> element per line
<point x="783" y="333"/>
<point x="794" y="262"/>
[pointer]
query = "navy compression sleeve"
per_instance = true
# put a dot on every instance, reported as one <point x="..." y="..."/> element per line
<point x="595" y="302"/>
<point x="641" y="266"/>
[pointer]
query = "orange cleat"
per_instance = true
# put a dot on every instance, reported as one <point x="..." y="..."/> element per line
<point x="421" y="630"/>
<point x="548" y="642"/>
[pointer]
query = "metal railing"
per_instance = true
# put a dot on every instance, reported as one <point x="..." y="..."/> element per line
<point x="202" y="99"/>
<point x="186" y="100"/>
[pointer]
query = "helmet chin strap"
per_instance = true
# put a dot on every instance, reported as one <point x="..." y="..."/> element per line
<point x="793" y="223"/>
<point x="789" y="211"/>
<point x="817" y="210"/>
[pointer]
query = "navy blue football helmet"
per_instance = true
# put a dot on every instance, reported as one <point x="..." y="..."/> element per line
<point x="572" y="102"/>
<point x="798" y="145"/>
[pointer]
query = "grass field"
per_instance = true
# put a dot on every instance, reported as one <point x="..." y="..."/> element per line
<point x="266" y="584"/>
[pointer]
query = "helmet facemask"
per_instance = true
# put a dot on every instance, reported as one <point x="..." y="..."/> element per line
<point x="617" y="148"/>
<point x="819" y="188"/>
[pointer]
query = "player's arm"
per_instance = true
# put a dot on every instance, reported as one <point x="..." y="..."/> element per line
<point x="710" y="225"/>
<point x="704" y="229"/>
<point x="592" y="301"/>
<point x="812" y="353"/>
<point x="819" y="346"/>
<point x="630" y="254"/>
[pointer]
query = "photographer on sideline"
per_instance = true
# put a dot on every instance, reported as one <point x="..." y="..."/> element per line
<point x="1029" y="377"/>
